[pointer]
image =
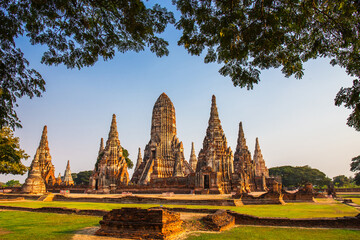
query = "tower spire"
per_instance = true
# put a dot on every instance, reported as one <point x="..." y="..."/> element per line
<point x="68" y="180"/>
<point x="193" y="159"/>
<point x="113" y="129"/>
<point x="214" y="115"/>
<point x="260" y="167"/>
<point x="241" y="142"/>
<point x="101" y="145"/>
<point x="139" y="160"/>
<point x="44" y="141"/>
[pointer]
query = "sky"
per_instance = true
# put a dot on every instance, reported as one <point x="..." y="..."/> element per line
<point x="296" y="120"/>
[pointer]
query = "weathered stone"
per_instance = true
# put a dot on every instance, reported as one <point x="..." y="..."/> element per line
<point x="136" y="223"/>
<point x="243" y="164"/>
<point x="260" y="168"/>
<point x="219" y="221"/>
<point x="139" y="160"/>
<point x="58" y="180"/>
<point x="164" y="148"/>
<point x="68" y="180"/>
<point x="34" y="183"/>
<point x="111" y="168"/>
<point x="44" y="158"/>
<point x="215" y="161"/>
<point x="193" y="160"/>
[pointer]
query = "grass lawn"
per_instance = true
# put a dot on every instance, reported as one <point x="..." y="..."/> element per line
<point x="27" y="225"/>
<point x="38" y="226"/>
<point x="270" y="233"/>
<point x="356" y="200"/>
<point x="290" y="210"/>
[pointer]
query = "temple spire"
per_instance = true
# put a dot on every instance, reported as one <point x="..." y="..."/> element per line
<point x="113" y="134"/>
<point x="260" y="167"/>
<point x="101" y="145"/>
<point x="193" y="159"/>
<point x="44" y="141"/>
<point x="68" y="180"/>
<point x="241" y="142"/>
<point x="139" y="160"/>
<point x="214" y="115"/>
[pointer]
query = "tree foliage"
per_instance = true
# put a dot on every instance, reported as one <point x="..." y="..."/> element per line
<point x="12" y="183"/>
<point x="249" y="36"/>
<point x="76" y="34"/>
<point x="355" y="167"/>
<point x="298" y="176"/>
<point x="82" y="177"/>
<point x="341" y="181"/>
<point x="126" y="155"/>
<point x="10" y="153"/>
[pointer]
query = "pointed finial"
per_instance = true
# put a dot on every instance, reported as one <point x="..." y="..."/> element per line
<point x="214" y="112"/>
<point x="68" y="165"/>
<point x="139" y="153"/>
<point x="113" y="128"/>
<point x="139" y="160"/>
<point x="43" y="140"/>
<point x="101" y="145"/>
<point x="257" y="145"/>
<point x="59" y="175"/>
<point x="192" y="148"/>
<point x="241" y="142"/>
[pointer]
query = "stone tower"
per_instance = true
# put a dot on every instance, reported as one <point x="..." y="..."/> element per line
<point x="68" y="180"/>
<point x="164" y="148"/>
<point x="111" y="168"/>
<point x="34" y="183"/>
<point x="215" y="161"/>
<point x="260" y="167"/>
<point x="193" y="159"/>
<point x="243" y="164"/>
<point x="139" y="160"/>
<point x="44" y="158"/>
<point x="58" y="180"/>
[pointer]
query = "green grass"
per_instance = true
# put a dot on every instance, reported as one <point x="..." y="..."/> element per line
<point x="290" y="210"/>
<point x="270" y="233"/>
<point x="28" y="225"/>
<point x="356" y="200"/>
<point x="349" y="196"/>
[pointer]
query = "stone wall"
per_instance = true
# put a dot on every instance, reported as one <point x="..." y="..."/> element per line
<point x="151" y="200"/>
<point x="136" y="223"/>
<point x="344" y="222"/>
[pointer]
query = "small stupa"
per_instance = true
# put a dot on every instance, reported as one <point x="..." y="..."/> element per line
<point x="68" y="180"/>
<point x="34" y="183"/>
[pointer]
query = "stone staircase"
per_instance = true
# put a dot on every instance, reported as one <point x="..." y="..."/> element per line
<point x="46" y="197"/>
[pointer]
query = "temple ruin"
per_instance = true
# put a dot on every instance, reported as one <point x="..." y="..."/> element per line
<point x="164" y="154"/>
<point x="260" y="168"/>
<point x="34" y="183"/>
<point x="68" y="180"/>
<point x="44" y="158"/>
<point x="163" y="166"/>
<point x="215" y="162"/>
<point x="110" y="170"/>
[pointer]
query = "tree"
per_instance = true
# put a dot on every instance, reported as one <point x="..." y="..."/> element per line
<point x="76" y="34"/>
<point x="355" y="167"/>
<point x="298" y="176"/>
<point x="13" y="183"/>
<point x="126" y="155"/>
<point x="10" y="153"/>
<point x="341" y="181"/>
<point x="249" y="36"/>
<point x="82" y="177"/>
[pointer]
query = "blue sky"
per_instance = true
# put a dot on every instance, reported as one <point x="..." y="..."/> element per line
<point x="296" y="120"/>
